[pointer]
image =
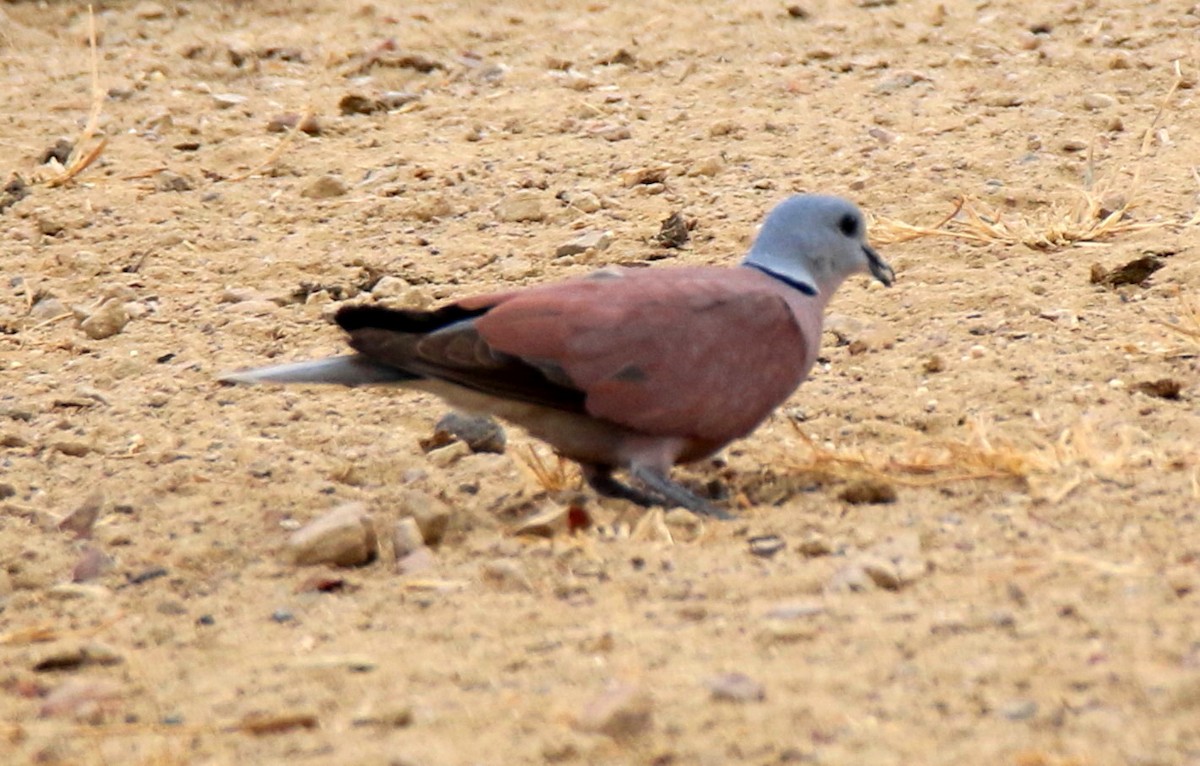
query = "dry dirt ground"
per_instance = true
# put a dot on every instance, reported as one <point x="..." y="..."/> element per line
<point x="1032" y="595"/>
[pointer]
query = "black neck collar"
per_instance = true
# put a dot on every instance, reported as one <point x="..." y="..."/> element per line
<point x="795" y="284"/>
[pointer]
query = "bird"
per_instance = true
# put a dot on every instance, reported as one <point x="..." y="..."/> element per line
<point x="631" y="370"/>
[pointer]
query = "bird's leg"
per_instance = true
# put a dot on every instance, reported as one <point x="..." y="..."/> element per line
<point x="600" y="478"/>
<point x="672" y="494"/>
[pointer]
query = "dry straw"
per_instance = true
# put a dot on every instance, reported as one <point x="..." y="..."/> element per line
<point x="1099" y="212"/>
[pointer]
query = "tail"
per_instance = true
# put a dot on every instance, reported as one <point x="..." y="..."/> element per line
<point x="349" y="370"/>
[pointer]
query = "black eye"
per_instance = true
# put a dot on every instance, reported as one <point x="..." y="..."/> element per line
<point x="849" y="225"/>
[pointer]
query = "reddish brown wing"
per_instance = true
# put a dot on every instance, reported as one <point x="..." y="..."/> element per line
<point x="702" y="353"/>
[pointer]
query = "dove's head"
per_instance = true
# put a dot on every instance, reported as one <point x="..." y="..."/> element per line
<point x="814" y="241"/>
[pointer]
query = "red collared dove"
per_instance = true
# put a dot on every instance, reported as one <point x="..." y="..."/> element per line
<point x="624" y="369"/>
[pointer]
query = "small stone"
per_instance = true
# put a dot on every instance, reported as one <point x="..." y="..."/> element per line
<point x="933" y="364"/>
<point x="345" y="536"/>
<point x="106" y="321"/>
<point x="521" y="205"/>
<point x="673" y="232"/>
<point x="766" y="546"/>
<point x="430" y="514"/>
<point x="1163" y="388"/>
<point x="585" y="202"/>
<point x="81" y="520"/>
<point x="91" y="564"/>
<point x="47" y="309"/>
<point x="148" y="10"/>
<point x="282" y="123"/>
<point x="444" y="457"/>
<point x="1073" y="145"/>
<point x="1004" y="100"/>
<point x="397" y="99"/>
<point x="228" y="100"/>
<point x="505" y="575"/>
<point x="548" y="521"/>
<point x="6" y="490"/>
<point x="592" y="240"/>
<point x="406" y="537"/>
<point x="868" y="492"/>
<point x="390" y="287"/>
<point x="813" y="545"/>
<point x="72" y="656"/>
<point x="355" y="103"/>
<point x="881" y="571"/>
<point x="420" y="560"/>
<point x="623" y="711"/>
<point x="397" y="717"/>
<point x="325" y="187"/>
<point x="707" y="166"/>
<point x="612" y="132"/>
<point x="168" y="181"/>
<point x="1095" y="102"/>
<point x="735" y="687"/>
<point x="282" y="615"/>
<point x="480" y="432"/>
<point x="850" y="578"/>
<point x="797" y="12"/>
<point x="71" y="448"/>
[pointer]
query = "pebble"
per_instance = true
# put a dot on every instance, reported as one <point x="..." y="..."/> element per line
<point x="81" y="520"/>
<point x="281" y="123"/>
<point x="228" y="100"/>
<point x="71" y="448"/>
<point x="766" y="546"/>
<point x="406" y="537"/>
<point x="168" y="181"/>
<point x="1073" y="145"/>
<point x="106" y="321"/>
<point x="48" y="308"/>
<point x="548" y="521"/>
<point x="282" y="616"/>
<point x="851" y="578"/>
<point x="148" y="10"/>
<point x="592" y="240"/>
<point x="92" y="563"/>
<point x="444" y="457"/>
<point x="735" y="687"/>
<point x="420" y="560"/>
<point x="707" y="166"/>
<point x="623" y="711"/>
<point x="325" y="187"/>
<point x="1096" y="101"/>
<point x="479" y="432"/>
<point x="505" y="575"/>
<point x="430" y="514"/>
<point x="345" y="536"/>
<point x="813" y="545"/>
<point x="521" y="205"/>
<point x="881" y="571"/>
<point x="585" y="202"/>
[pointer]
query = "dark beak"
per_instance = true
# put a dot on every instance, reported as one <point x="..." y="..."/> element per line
<point x="879" y="269"/>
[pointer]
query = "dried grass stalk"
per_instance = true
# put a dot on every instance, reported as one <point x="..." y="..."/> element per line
<point x="1085" y="220"/>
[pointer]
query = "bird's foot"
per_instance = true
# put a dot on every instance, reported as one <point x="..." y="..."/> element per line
<point x="600" y="479"/>
<point x="672" y="495"/>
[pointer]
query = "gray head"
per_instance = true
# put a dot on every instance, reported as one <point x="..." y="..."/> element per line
<point x="816" y="241"/>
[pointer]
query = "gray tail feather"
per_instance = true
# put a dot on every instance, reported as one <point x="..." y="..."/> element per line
<point x="349" y="370"/>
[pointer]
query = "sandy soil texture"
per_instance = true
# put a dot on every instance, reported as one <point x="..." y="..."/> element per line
<point x="236" y="170"/>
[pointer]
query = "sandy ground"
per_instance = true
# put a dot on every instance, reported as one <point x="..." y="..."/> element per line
<point x="1031" y="597"/>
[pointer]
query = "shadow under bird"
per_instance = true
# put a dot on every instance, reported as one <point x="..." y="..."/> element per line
<point x="625" y="369"/>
